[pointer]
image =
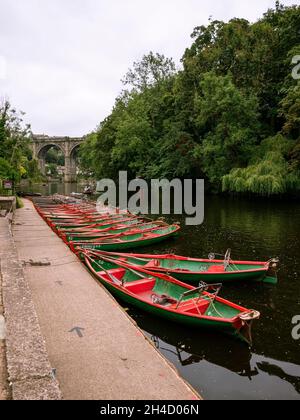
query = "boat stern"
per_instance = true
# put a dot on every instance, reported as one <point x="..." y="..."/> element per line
<point x="244" y="324"/>
<point x="273" y="267"/>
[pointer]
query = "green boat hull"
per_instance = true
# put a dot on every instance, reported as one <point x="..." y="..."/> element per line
<point x="130" y="242"/>
<point x="129" y="223"/>
<point x="190" y="271"/>
<point x="99" y="236"/>
<point x="66" y="226"/>
<point x="112" y="232"/>
<point x="190" y="322"/>
<point x="117" y="246"/>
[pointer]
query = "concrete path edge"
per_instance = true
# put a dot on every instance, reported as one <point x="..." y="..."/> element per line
<point x="29" y="369"/>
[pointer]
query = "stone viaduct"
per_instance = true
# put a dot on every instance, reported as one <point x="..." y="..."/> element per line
<point x="68" y="145"/>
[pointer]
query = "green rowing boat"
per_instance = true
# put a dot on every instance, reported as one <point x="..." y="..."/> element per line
<point x="128" y="241"/>
<point x="166" y="297"/>
<point x="192" y="270"/>
<point x="113" y="232"/>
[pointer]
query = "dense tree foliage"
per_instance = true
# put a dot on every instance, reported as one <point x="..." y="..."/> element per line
<point x="15" y="156"/>
<point x="231" y="114"/>
<point x="55" y="156"/>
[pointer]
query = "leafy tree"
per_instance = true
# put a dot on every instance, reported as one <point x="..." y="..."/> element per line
<point x="150" y="71"/>
<point x="51" y="169"/>
<point x="227" y="121"/>
<point x="55" y="156"/>
<point x="86" y="154"/>
<point x="230" y="115"/>
<point x="14" y="138"/>
<point x="104" y="142"/>
<point x="33" y="171"/>
<point x="290" y="110"/>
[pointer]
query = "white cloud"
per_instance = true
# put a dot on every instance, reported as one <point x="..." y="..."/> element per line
<point x="65" y="58"/>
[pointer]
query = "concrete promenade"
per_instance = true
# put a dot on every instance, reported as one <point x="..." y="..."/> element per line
<point x="96" y="351"/>
<point x="25" y="369"/>
<point x="4" y="388"/>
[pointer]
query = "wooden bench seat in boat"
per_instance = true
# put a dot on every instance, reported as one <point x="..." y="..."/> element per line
<point x="194" y="308"/>
<point x="118" y="273"/>
<point x="152" y="263"/>
<point x="145" y="285"/>
<point x="150" y="234"/>
<point x="216" y="269"/>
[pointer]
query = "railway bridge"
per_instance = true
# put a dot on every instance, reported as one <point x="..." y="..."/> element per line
<point x="68" y="145"/>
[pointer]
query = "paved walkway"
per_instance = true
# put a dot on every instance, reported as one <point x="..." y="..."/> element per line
<point x="4" y="390"/>
<point x="24" y="358"/>
<point x="98" y="353"/>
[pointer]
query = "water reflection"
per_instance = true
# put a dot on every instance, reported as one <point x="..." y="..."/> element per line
<point x="52" y="188"/>
<point x="194" y="353"/>
<point x="274" y="370"/>
<point x="243" y="369"/>
<point x="191" y="346"/>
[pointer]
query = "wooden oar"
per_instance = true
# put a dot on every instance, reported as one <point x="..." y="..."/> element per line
<point x="111" y="276"/>
<point x="113" y="261"/>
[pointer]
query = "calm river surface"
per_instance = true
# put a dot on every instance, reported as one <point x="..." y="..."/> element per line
<point x="215" y="365"/>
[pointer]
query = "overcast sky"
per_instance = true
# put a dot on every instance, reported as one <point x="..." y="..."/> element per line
<point x="61" y="61"/>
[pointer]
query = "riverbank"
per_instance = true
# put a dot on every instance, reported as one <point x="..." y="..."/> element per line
<point x="94" y="348"/>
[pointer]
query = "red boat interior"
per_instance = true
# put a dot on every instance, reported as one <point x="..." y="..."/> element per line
<point x="144" y="290"/>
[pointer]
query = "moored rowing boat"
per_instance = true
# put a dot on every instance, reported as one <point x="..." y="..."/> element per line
<point x="91" y="235"/>
<point x="84" y="222"/>
<point x="166" y="297"/>
<point x="129" y="241"/>
<point x="192" y="270"/>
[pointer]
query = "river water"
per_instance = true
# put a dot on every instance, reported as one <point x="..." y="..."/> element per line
<point x="219" y="367"/>
<point x="215" y="365"/>
<point x="51" y="188"/>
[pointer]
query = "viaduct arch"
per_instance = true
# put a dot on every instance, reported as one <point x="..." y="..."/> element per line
<point x="68" y="145"/>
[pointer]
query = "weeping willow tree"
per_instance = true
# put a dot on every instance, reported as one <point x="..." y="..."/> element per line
<point x="269" y="174"/>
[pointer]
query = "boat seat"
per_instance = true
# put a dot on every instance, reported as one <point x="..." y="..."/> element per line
<point x="133" y="231"/>
<point x="116" y="272"/>
<point x="140" y="286"/>
<point x="191" y="307"/>
<point x="216" y="269"/>
<point x="153" y="263"/>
